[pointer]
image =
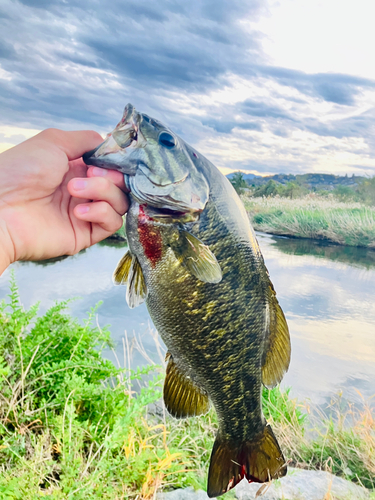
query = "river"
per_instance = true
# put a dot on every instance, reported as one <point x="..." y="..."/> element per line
<point x="327" y="293"/>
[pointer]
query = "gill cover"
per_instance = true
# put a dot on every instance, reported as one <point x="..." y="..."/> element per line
<point x="158" y="165"/>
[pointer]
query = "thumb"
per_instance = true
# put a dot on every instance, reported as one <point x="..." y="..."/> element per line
<point x="73" y="143"/>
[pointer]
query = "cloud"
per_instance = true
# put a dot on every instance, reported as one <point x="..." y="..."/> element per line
<point x="148" y="47"/>
<point x="197" y="66"/>
<point x="226" y="127"/>
<point x="6" y="50"/>
<point x="337" y="88"/>
<point x="261" y="109"/>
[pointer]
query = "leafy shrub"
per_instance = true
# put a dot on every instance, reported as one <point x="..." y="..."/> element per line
<point x="344" y="193"/>
<point x="366" y="191"/>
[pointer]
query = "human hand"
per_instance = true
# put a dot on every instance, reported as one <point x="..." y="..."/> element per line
<point x="51" y="204"/>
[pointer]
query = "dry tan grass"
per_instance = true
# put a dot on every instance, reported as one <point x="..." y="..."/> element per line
<point x="341" y="441"/>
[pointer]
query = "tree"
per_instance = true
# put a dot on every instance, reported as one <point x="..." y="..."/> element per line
<point x="238" y="182"/>
<point x="293" y="190"/>
<point x="366" y="190"/>
<point x="270" y="189"/>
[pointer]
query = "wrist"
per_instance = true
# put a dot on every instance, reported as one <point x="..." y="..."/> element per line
<point x="5" y="248"/>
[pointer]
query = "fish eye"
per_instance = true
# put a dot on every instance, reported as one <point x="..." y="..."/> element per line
<point x="167" y="140"/>
<point x="124" y="138"/>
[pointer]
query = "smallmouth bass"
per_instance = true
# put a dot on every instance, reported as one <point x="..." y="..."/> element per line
<point x="194" y="258"/>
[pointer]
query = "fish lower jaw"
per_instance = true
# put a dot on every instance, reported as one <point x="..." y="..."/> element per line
<point x="168" y="215"/>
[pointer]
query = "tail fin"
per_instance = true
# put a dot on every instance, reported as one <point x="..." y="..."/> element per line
<point x="259" y="460"/>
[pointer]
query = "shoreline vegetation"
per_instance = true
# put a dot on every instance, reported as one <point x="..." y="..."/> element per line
<point x="74" y="425"/>
<point x="339" y="210"/>
<point x="313" y="217"/>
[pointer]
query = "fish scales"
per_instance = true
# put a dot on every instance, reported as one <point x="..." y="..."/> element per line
<point x="194" y="258"/>
<point x="222" y="363"/>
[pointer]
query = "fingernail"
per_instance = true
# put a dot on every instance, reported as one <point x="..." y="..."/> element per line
<point x="82" y="209"/>
<point x="99" y="172"/>
<point x="79" y="184"/>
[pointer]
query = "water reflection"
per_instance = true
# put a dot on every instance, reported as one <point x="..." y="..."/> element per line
<point x="326" y="291"/>
<point x="356" y="256"/>
<point x="48" y="262"/>
<point x="328" y="299"/>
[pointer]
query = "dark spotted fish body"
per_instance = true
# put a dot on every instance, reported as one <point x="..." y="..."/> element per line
<point x="210" y="297"/>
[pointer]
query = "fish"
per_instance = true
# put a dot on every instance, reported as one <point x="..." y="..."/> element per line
<point x="194" y="259"/>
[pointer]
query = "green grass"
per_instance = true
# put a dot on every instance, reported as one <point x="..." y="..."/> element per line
<point x="346" y="223"/>
<point x="72" y="425"/>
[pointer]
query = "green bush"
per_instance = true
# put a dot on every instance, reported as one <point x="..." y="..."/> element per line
<point x="365" y="191"/>
<point x="344" y="193"/>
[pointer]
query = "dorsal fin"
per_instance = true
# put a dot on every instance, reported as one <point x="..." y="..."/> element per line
<point x="182" y="396"/>
<point x="197" y="258"/>
<point x="276" y="357"/>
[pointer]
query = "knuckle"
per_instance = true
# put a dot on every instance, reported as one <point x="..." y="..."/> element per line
<point x="118" y="224"/>
<point x="105" y="184"/>
<point x="105" y="209"/>
<point x="52" y="134"/>
<point x="99" y="185"/>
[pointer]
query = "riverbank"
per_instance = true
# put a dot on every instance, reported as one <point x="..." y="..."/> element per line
<point x="315" y="217"/>
<point x="66" y="433"/>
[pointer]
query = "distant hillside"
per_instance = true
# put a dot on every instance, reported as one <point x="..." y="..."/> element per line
<point x="310" y="181"/>
<point x="247" y="177"/>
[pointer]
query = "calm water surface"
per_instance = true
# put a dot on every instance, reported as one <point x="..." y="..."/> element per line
<point x="327" y="294"/>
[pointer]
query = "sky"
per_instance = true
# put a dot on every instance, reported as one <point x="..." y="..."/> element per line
<point x="262" y="86"/>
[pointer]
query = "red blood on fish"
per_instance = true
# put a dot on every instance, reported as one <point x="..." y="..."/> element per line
<point x="243" y="471"/>
<point x="150" y="237"/>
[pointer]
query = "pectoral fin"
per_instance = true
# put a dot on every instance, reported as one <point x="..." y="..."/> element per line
<point x="182" y="396"/>
<point x="197" y="258"/>
<point x="277" y="352"/>
<point x="121" y="274"/>
<point x="129" y="271"/>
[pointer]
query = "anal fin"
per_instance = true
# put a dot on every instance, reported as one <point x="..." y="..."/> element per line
<point x="182" y="396"/>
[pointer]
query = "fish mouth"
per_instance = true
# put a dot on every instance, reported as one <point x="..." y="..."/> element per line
<point x="113" y="153"/>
